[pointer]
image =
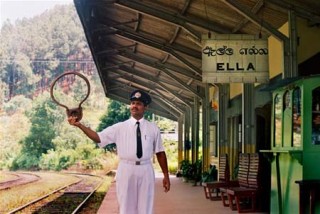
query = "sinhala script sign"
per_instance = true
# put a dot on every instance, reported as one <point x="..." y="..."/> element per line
<point x="234" y="58"/>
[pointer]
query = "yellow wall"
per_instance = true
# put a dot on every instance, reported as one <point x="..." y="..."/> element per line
<point x="276" y="53"/>
<point x="309" y="45"/>
<point x="275" y="61"/>
<point x="235" y="89"/>
<point x="309" y="38"/>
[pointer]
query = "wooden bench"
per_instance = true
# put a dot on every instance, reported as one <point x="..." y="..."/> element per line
<point x="243" y="171"/>
<point x="244" y="197"/>
<point x="211" y="189"/>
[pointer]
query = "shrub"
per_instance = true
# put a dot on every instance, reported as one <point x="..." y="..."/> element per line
<point x="92" y="164"/>
<point x="25" y="161"/>
<point x="57" y="160"/>
<point x="173" y="168"/>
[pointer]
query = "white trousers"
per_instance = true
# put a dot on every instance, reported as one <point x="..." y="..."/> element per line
<point x="135" y="188"/>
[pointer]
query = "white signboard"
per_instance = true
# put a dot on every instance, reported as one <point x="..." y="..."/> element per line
<point x="234" y="58"/>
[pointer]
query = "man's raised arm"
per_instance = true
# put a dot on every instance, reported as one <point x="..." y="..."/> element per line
<point x="89" y="132"/>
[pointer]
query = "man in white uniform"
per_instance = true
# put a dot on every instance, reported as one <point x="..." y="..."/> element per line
<point x="135" y="174"/>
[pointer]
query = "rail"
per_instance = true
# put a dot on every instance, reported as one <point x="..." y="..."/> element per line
<point x="72" y="197"/>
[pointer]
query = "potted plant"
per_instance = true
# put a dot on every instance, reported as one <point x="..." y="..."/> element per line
<point x="210" y="175"/>
<point x="185" y="170"/>
<point x="197" y="172"/>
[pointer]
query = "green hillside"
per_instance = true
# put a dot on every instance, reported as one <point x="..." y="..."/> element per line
<point x="34" y="133"/>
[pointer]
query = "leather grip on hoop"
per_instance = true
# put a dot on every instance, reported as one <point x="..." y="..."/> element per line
<point x="75" y="112"/>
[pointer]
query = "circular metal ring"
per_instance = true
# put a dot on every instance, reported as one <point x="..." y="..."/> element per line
<point x="76" y="112"/>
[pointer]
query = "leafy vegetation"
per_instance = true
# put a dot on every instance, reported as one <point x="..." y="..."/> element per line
<point x="36" y="50"/>
<point x="210" y="175"/>
<point x="40" y="137"/>
<point x="34" y="133"/>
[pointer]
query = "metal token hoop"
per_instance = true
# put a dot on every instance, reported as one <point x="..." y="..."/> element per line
<point x="75" y="112"/>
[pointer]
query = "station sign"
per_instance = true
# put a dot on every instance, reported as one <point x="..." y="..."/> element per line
<point x="235" y="58"/>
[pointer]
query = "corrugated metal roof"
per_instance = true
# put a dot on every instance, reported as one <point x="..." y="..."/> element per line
<point x="155" y="45"/>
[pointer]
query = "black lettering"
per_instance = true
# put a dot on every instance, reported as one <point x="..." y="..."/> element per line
<point x="229" y="68"/>
<point x="220" y="67"/>
<point x="250" y="67"/>
<point x="239" y="68"/>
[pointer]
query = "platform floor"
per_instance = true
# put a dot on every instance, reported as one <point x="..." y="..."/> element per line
<point x="182" y="198"/>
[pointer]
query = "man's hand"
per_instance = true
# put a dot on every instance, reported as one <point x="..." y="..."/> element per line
<point x="90" y="133"/>
<point x="162" y="160"/>
<point x="73" y="121"/>
<point x="166" y="183"/>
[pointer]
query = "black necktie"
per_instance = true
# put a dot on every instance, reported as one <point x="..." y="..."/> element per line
<point x="139" y="143"/>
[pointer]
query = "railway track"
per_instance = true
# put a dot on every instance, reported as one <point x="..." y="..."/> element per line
<point x="67" y="199"/>
<point x="21" y="178"/>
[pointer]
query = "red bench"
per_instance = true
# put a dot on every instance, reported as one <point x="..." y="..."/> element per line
<point x="242" y="178"/>
<point x="244" y="197"/>
<point x="211" y="189"/>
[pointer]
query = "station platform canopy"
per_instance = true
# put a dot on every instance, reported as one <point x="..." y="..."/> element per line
<point x="156" y="45"/>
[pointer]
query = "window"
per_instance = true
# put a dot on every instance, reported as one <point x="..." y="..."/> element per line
<point x="287" y="101"/>
<point x="316" y="116"/>
<point x="296" y="119"/>
<point x="277" y="120"/>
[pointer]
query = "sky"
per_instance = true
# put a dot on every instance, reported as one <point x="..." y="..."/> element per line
<point x="14" y="9"/>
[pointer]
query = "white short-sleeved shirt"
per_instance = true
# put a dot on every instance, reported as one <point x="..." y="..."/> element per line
<point x="123" y="134"/>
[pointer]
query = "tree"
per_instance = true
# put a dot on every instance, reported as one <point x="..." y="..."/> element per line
<point x="116" y="112"/>
<point x="36" y="50"/>
<point x="43" y="117"/>
<point x="165" y="124"/>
